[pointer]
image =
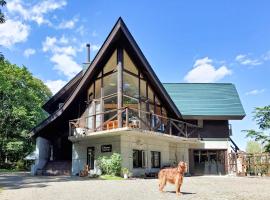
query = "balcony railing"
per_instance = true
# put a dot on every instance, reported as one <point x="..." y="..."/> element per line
<point x="131" y="118"/>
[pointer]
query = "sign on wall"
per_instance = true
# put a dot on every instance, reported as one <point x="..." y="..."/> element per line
<point x="106" y="148"/>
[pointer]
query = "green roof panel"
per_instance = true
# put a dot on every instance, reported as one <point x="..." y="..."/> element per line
<point x="206" y="99"/>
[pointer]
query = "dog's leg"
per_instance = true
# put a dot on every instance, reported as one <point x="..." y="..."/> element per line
<point x="162" y="184"/>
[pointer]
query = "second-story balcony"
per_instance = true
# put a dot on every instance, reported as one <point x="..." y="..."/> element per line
<point x="130" y="118"/>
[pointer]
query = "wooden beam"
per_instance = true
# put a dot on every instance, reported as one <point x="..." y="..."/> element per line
<point x="119" y="85"/>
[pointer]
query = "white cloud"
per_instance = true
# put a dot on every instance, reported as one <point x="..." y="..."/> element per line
<point x="29" y="52"/>
<point x="12" y="32"/>
<point x="53" y="45"/>
<point x="63" y="51"/>
<point x="245" y="60"/>
<point x="266" y="56"/>
<point x="95" y="47"/>
<point x="55" y="85"/>
<point x="69" y="24"/>
<point x="34" y="12"/>
<point x="65" y="64"/>
<point x="204" y="72"/>
<point x="255" y="92"/>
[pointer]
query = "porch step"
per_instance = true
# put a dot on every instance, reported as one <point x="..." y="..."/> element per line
<point x="57" y="168"/>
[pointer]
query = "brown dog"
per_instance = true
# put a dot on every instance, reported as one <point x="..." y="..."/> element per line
<point x="172" y="175"/>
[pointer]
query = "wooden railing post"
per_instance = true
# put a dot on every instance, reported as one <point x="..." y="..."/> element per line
<point x="127" y="120"/>
<point x="170" y="127"/>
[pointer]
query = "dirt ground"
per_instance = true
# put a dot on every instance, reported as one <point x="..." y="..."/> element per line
<point x="23" y="186"/>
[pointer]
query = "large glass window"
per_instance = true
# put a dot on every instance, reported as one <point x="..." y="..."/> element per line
<point x="111" y="64"/>
<point x="110" y="84"/>
<point x="150" y="95"/>
<point x="110" y="104"/>
<point x="97" y="89"/>
<point x="129" y="65"/>
<point x="155" y="159"/>
<point x="131" y="85"/>
<point x="143" y="94"/>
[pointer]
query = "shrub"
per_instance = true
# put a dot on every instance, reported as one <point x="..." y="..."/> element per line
<point x="110" y="165"/>
<point x="20" y="165"/>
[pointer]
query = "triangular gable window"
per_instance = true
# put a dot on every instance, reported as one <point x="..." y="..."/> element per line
<point x="111" y="63"/>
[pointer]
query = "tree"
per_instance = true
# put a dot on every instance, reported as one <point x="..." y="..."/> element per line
<point x="253" y="147"/>
<point x="21" y="98"/>
<point x="2" y="20"/>
<point x="262" y="118"/>
<point x="2" y="17"/>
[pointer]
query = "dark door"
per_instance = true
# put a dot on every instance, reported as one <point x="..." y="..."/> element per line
<point x="90" y="157"/>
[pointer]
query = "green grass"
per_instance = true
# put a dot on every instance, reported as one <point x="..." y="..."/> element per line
<point x="9" y="170"/>
<point x="111" y="177"/>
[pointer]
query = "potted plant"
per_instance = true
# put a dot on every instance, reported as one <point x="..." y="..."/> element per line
<point x="125" y="172"/>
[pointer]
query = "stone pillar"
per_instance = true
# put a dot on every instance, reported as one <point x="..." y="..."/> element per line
<point x="43" y="152"/>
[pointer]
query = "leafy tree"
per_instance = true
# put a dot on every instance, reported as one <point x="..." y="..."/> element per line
<point x="21" y="98"/>
<point x="253" y="147"/>
<point x="262" y="118"/>
<point x="2" y="20"/>
<point x="2" y="17"/>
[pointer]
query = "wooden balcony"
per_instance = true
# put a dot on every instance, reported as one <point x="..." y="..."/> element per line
<point x="133" y="119"/>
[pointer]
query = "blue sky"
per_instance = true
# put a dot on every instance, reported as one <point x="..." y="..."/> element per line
<point x="184" y="41"/>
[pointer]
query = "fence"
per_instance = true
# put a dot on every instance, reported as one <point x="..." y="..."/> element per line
<point x="244" y="164"/>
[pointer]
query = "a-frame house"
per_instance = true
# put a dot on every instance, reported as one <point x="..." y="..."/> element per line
<point x="117" y="104"/>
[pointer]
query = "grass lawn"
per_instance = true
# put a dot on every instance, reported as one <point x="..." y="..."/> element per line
<point x="9" y="170"/>
<point x="110" y="177"/>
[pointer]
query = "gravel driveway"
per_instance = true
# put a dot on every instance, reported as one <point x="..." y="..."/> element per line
<point x="22" y="186"/>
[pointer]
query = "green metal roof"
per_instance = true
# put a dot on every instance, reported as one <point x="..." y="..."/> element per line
<point x="216" y="100"/>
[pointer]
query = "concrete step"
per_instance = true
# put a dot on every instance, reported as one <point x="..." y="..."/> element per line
<point x="57" y="168"/>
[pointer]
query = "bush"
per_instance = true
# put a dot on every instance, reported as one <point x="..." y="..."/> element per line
<point x="110" y="165"/>
<point x="20" y="165"/>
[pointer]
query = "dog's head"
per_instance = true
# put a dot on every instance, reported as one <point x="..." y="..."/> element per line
<point x="182" y="167"/>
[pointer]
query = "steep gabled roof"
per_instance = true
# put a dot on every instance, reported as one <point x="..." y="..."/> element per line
<point x="119" y="30"/>
<point x="206" y="100"/>
<point x="52" y="104"/>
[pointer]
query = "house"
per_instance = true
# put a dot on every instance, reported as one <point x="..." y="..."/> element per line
<point x="118" y="104"/>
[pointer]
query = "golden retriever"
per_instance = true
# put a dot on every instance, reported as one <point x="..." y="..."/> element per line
<point x="173" y="176"/>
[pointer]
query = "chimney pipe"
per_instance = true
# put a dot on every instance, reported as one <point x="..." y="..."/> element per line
<point x="88" y="53"/>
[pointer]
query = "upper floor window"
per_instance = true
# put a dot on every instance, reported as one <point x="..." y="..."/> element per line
<point x="129" y="64"/>
<point x="111" y="63"/>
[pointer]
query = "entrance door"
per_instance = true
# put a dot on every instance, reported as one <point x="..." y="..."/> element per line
<point x="209" y="162"/>
<point x="90" y="157"/>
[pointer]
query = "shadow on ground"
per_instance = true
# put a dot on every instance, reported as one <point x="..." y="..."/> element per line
<point x="25" y="180"/>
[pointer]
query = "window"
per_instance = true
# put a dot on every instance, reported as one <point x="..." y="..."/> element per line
<point x="155" y="159"/>
<point x="131" y="85"/>
<point x="111" y="64"/>
<point x="97" y="89"/>
<point x="90" y="157"/>
<point x="110" y="84"/>
<point x="143" y="90"/>
<point x="139" y="159"/>
<point x="110" y="104"/>
<point x="129" y="65"/>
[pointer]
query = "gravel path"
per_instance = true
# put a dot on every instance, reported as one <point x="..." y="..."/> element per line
<point x="23" y="186"/>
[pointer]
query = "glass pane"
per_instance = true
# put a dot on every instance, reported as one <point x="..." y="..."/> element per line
<point x="129" y="102"/>
<point x="128" y="64"/>
<point x="97" y="88"/>
<point x="110" y="103"/>
<point x="110" y="84"/>
<point x="91" y="93"/>
<point x="150" y="95"/>
<point x="131" y="85"/>
<point x="111" y="64"/>
<point x="143" y="90"/>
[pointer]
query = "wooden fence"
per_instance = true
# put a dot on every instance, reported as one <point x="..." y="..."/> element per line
<point x="244" y="164"/>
